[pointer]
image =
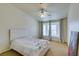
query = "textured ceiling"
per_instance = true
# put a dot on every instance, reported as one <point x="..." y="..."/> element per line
<point x="56" y="10"/>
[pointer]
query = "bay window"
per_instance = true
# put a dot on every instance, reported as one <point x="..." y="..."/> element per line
<point x="55" y="29"/>
<point x="45" y="29"/>
<point x="51" y="29"/>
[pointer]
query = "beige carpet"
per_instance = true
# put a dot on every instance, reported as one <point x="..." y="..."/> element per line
<point x="57" y="49"/>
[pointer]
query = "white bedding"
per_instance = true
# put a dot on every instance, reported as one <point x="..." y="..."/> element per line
<point x="30" y="47"/>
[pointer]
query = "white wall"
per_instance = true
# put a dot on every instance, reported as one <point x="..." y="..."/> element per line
<point x="11" y="17"/>
<point x="73" y="19"/>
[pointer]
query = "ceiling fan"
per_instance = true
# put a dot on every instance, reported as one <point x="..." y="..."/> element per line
<point x="43" y="11"/>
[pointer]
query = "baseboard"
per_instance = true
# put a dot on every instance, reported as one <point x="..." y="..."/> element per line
<point x="4" y="50"/>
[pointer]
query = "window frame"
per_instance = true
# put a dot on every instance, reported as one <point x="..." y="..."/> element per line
<point x="57" y="30"/>
<point x="50" y="22"/>
<point x="42" y="29"/>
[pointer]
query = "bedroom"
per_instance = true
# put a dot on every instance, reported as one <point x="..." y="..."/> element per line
<point x="24" y="19"/>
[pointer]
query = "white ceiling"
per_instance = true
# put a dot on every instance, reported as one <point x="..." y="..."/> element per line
<point x="57" y="10"/>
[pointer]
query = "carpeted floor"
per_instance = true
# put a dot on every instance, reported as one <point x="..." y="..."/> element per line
<point x="57" y="49"/>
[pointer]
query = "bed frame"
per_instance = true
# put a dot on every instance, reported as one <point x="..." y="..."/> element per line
<point x="21" y="32"/>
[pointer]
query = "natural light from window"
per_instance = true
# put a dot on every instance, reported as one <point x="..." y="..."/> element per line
<point x="45" y="29"/>
<point x="54" y="28"/>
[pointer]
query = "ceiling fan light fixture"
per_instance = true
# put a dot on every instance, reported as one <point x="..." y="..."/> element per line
<point x="43" y="13"/>
<point x="42" y="16"/>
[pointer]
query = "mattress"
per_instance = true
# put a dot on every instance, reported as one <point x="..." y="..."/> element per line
<point x="30" y="47"/>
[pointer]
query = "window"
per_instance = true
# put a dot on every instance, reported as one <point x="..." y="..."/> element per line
<point x="54" y="28"/>
<point x="45" y="29"/>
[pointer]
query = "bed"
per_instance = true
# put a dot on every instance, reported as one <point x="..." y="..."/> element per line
<point x="27" y="46"/>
